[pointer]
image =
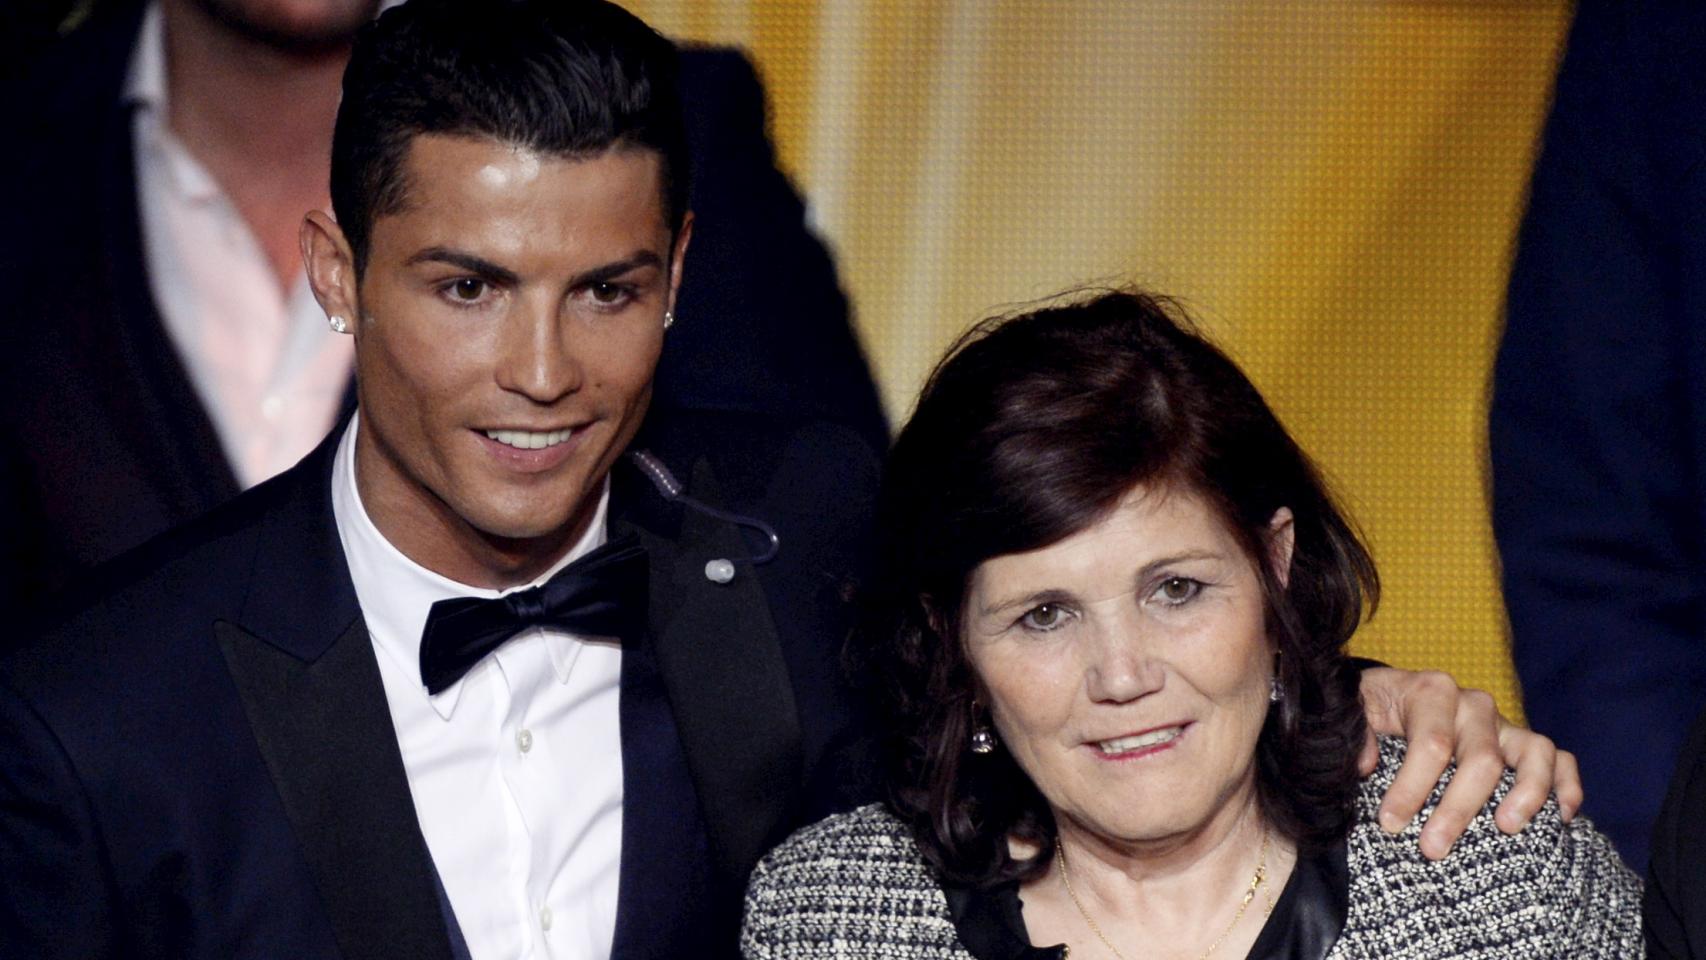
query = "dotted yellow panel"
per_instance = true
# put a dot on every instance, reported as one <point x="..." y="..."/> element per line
<point x="1332" y="186"/>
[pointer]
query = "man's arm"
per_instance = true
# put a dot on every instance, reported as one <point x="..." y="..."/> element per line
<point x="56" y="899"/>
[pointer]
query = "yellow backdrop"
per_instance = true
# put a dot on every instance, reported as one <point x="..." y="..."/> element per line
<point x="1333" y="185"/>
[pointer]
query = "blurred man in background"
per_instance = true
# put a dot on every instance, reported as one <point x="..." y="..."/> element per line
<point x="1598" y="432"/>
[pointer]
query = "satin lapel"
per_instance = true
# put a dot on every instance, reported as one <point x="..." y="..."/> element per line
<point x="305" y="669"/>
<point x="723" y="671"/>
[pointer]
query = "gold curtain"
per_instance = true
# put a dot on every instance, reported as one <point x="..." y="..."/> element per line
<point x="1331" y="185"/>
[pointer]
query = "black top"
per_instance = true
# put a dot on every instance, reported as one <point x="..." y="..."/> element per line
<point x="1306" y="920"/>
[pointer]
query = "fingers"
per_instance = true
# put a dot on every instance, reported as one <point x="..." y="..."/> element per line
<point x="1567" y="785"/>
<point x="1424" y="761"/>
<point x="1441" y="722"/>
<point x="1420" y="707"/>
<point x="1383" y="694"/>
<point x="1480" y="769"/>
<point x="1444" y="724"/>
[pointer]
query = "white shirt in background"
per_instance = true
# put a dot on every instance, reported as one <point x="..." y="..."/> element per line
<point x="268" y="370"/>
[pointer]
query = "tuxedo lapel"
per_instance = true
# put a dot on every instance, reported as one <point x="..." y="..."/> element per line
<point x="305" y="669"/>
<point x="722" y="669"/>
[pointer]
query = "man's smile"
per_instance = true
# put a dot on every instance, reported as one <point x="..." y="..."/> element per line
<point x="530" y="439"/>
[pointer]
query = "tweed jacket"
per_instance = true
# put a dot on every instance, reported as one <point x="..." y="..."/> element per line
<point x="854" y="886"/>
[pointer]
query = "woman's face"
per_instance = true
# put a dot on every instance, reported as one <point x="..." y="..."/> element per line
<point x="1127" y="667"/>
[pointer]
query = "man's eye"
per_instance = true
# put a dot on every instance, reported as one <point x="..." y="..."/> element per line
<point x="1178" y="591"/>
<point x="1047" y="616"/>
<point x="609" y="294"/>
<point x="467" y="289"/>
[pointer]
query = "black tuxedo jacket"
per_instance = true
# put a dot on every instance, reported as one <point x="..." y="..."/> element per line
<point x="202" y="764"/>
<point x="104" y="442"/>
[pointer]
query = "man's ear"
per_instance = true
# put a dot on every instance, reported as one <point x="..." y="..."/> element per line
<point x="330" y="263"/>
<point x="1282" y="536"/>
<point x="678" y="256"/>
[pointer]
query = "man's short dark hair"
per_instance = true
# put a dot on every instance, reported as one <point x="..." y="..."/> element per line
<point x="1032" y="429"/>
<point x="570" y="78"/>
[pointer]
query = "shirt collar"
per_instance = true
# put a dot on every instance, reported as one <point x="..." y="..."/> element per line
<point x="147" y="93"/>
<point x="396" y="593"/>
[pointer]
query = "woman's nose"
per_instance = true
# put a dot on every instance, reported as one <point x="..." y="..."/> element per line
<point x="1120" y="668"/>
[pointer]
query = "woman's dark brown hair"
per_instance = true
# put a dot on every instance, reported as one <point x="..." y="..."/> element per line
<point x="1032" y="429"/>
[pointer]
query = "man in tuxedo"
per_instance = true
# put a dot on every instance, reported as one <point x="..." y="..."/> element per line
<point x="162" y="350"/>
<point x="245" y="748"/>
<point x="472" y="680"/>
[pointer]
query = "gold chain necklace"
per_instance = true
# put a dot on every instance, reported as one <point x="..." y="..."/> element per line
<point x="1258" y="880"/>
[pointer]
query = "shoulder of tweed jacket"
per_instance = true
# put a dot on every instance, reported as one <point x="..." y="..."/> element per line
<point x="854" y="886"/>
<point x="1553" y="890"/>
<point x="848" y="887"/>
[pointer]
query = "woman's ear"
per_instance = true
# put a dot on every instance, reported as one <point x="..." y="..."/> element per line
<point x="1282" y="536"/>
<point x="933" y="617"/>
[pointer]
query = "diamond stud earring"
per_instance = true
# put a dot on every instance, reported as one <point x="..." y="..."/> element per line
<point x="668" y="319"/>
<point x="337" y="324"/>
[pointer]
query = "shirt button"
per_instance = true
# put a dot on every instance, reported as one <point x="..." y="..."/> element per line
<point x="545" y="919"/>
<point x="524" y="742"/>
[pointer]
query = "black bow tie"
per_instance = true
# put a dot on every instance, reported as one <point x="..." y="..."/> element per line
<point x="603" y="594"/>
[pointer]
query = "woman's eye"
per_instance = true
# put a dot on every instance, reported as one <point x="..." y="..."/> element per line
<point x="1048" y="616"/>
<point x="1178" y="590"/>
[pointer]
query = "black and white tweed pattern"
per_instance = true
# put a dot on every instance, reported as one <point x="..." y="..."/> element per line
<point x="853" y="886"/>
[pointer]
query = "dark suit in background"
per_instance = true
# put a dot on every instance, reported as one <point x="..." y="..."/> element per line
<point x="104" y="442"/>
<point x="203" y="765"/>
<point x="1598" y="428"/>
<point x="1674" y="909"/>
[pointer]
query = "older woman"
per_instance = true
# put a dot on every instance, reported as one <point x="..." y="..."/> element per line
<point x="1110" y="629"/>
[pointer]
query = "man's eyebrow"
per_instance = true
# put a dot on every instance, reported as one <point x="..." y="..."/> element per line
<point x="491" y="272"/>
<point x="610" y="271"/>
<point x="484" y="269"/>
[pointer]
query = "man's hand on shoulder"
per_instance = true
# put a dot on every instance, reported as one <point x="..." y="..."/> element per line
<point x="1445" y="724"/>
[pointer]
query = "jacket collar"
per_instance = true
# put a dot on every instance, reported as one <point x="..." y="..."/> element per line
<point x="1305" y="923"/>
<point x="721" y="662"/>
<point x="305" y="670"/>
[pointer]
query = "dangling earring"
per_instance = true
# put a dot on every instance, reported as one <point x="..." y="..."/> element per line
<point x="982" y="737"/>
<point x="337" y="324"/>
<point x="1274" y="694"/>
<point x="668" y="319"/>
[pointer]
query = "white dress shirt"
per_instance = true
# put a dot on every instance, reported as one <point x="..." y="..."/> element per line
<point x="516" y="769"/>
<point x="269" y="371"/>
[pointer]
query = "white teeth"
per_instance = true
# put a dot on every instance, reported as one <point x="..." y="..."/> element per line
<point x="528" y="439"/>
<point x="1150" y="739"/>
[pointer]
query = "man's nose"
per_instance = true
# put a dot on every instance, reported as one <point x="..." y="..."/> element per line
<point x="538" y="356"/>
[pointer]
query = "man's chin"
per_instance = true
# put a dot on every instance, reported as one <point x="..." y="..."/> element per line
<point x="300" y="36"/>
